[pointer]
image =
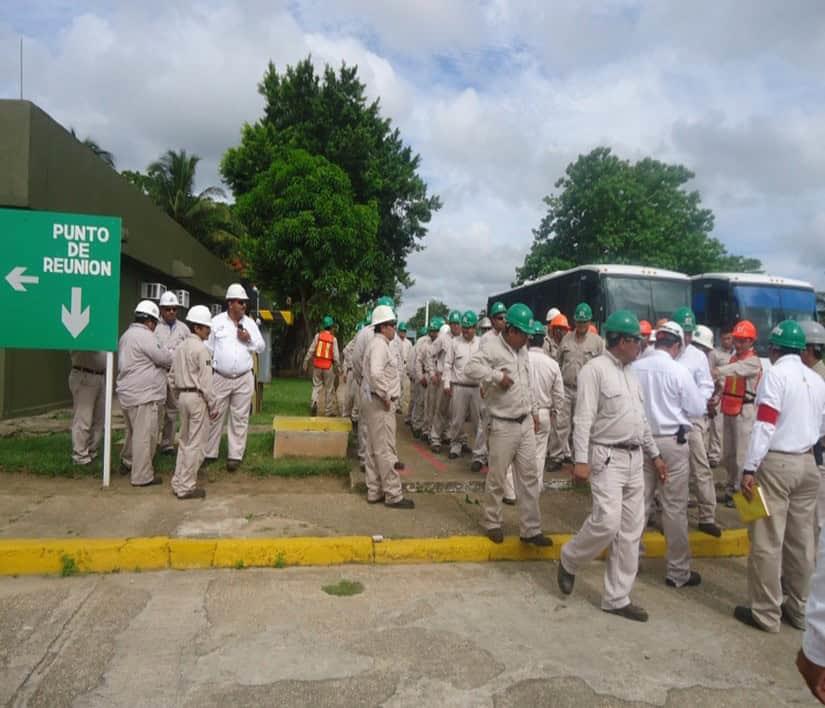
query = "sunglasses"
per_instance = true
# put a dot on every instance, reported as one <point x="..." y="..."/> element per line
<point x="498" y="317"/>
<point x="238" y="302"/>
<point x="169" y="309"/>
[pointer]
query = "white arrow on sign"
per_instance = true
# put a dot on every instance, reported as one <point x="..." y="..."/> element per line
<point x="17" y="280"/>
<point x="76" y="320"/>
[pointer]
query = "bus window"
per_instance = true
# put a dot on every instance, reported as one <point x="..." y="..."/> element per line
<point x="766" y="306"/>
<point x="628" y="294"/>
<point x="668" y="296"/>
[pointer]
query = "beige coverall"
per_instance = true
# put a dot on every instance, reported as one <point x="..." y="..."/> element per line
<point x="141" y="387"/>
<point x="574" y="353"/>
<point x="422" y="352"/>
<point x="609" y="414"/>
<point x="465" y="399"/>
<point x="169" y="338"/>
<point x="511" y="438"/>
<point x="192" y="380"/>
<point x="87" y="383"/>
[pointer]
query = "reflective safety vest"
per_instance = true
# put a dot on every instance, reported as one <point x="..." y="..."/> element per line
<point x="735" y="392"/>
<point x="324" y="350"/>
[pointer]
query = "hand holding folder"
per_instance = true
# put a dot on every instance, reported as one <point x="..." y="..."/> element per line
<point x="756" y="508"/>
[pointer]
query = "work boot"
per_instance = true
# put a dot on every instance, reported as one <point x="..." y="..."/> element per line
<point x="631" y="612"/>
<point x="495" y="535"/>
<point x="375" y="501"/>
<point x="123" y="469"/>
<point x="710" y="528"/>
<point x="196" y="493"/>
<point x="787" y="618"/>
<point x="401" y="504"/>
<point x="232" y="465"/>
<point x="508" y="501"/>
<point x="313" y="410"/>
<point x="399" y="465"/>
<point x="155" y="480"/>
<point x="453" y="456"/>
<point x="565" y="579"/>
<point x="745" y="616"/>
<point x="435" y="447"/>
<point x="168" y="450"/>
<point x="538" y="540"/>
<point x="476" y="466"/>
<point x="694" y="580"/>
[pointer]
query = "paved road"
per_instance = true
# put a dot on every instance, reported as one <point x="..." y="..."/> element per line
<point x="448" y="635"/>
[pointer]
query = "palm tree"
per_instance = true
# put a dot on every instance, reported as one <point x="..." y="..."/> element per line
<point x="104" y="155"/>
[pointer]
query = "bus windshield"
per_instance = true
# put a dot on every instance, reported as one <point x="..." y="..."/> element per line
<point x="767" y="306"/>
<point x="649" y="299"/>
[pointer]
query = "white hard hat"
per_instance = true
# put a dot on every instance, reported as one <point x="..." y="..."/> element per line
<point x="169" y="299"/>
<point x="199" y="314"/>
<point x="236" y="292"/>
<point x="672" y="328"/>
<point x="652" y="338"/>
<point x="149" y="308"/>
<point x="814" y="332"/>
<point x="444" y="329"/>
<point x="382" y="314"/>
<point x="484" y="323"/>
<point x="552" y="313"/>
<point x="703" y="336"/>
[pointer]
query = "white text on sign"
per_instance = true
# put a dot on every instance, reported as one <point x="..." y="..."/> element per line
<point x="79" y="240"/>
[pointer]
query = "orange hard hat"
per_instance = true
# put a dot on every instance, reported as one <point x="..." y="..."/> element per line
<point x="560" y="321"/>
<point x="645" y="327"/>
<point x="744" y="330"/>
<point x="592" y="329"/>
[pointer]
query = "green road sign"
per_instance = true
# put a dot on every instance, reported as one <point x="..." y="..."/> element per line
<point x="60" y="286"/>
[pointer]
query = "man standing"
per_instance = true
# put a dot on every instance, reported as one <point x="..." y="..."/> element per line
<point x="326" y="362"/>
<point x="557" y="328"/>
<point x="790" y="418"/>
<point x="576" y="349"/>
<point x="141" y="387"/>
<point x="610" y="433"/>
<point x="192" y="381"/>
<point x="812" y="357"/>
<point x="439" y="351"/>
<point x="87" y="383"/>
<point x="382" y="389"/>
<point x="464" y="396"/>
<point x="558" y="445"/>
<point x="170" y="333"/>
<point x="503" y="368"/>
<point x="405" y="354"/>
<point x="696" y="362"/>
<point x="548" y="391"/>
<point x="741" y="378"/>
<point x="419" y="376"/>
<point x="717" y="358"/>
<point x="233" y="340"/>
<point x="672" y="402"/>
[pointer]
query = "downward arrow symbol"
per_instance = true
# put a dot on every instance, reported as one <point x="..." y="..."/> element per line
<point x="76" y="320"/>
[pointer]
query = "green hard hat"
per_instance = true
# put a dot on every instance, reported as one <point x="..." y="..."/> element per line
<point x="685" y="318"/>
<point x="788" y="334"/>
<point x="385" y="300"/>
<point x="359" y="326"/>
<point x="623" y="322"/>
<point x="498" y="308"/>
<point x="538" y="329"/>
<point x="436" y="323"/>
<point x="583" y="313"/>
<point x="454" y="317"/>
<point x="402" y="327"/>
<point x="327" y="322"/>
<point x="422" y="331"/>
<point x="521" y="317"/>
<point x="469" y="319"/>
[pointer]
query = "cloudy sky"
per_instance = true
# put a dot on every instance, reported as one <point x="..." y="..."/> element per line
<point x="497" y="97"/>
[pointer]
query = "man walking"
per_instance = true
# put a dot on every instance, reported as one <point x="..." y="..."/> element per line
<point x="611" y="432"/>
<point x="326" y="362"/>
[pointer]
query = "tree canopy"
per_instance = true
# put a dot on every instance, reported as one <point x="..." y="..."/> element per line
<point x="328" y="115"/>
<point x="437" y="308"/>
<point x="608" y="210"/>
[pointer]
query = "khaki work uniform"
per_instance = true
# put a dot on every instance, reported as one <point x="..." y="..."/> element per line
<point x="170" y="338"/>
<point x="87" y="383"/>
<point x="737" y="429"/>
<point x="610" y="433"/>
<point x="359" y="353"/>
<point x="819" y="368"/>
<point x="791" y="405"/>
<point x="422" y="353"/>
<point x="716" y="358"/>
<point x="465" y="398"/>
<point x="511" y="439"/>
<point x="233" y="382"/>
<point x="324" y="379"/>
<point x="141" y="387"/>
<point x="192" y="380"/>
<point x="348" y="409"/>
<point x="574" y="353"/>
<point x="555" y="449"/>
<point x="405" y="348"/>
<point x="441" y="403"/>
<point x="381" y="385"/>
<point x="484" y="340"/>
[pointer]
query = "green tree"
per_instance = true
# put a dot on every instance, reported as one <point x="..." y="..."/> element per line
<point x="608" y="210"/>
<point x="329" y="115"/>
<point x="309" y="237"/>
<point x="437" y="308"/>
<point x="95" y="147"/>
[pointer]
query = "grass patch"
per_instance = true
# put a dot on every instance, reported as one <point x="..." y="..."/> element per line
<point x="239" y="565"/>
<point x="280" y="560"/>
<point x="68" y="566"/>
<point x="344" y="588"/>
<point x="284" y="397"/>
<point x="48" y="455"/>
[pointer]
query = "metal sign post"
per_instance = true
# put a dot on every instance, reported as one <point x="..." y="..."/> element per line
<point x="60" y="287"/>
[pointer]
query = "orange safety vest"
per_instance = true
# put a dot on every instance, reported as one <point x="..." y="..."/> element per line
<point x="733" y="394"/>
<point x="323" y="350"/>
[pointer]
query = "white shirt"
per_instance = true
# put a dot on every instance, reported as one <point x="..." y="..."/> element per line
<point x="545" y="379"/>
<point x="230" y="356"/>
<point x="813" y="642"/>
<point x="696" y="362"/>
<point x="797" y="393"/>
<point x="458" y="355"/>
<point x="671" y="396"/>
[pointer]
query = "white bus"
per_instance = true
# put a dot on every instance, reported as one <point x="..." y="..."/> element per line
<point x="650" y="293"/>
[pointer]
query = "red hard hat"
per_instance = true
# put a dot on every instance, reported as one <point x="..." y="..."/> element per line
<point x="645" y="327"/>
<point x="744" y="330"/>
<point x="560" y="321"/>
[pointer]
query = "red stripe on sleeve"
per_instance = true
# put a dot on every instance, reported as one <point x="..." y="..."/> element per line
<point x="767" y="414"/>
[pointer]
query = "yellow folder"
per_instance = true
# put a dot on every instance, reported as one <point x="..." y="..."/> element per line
<point x="750" y="511"/>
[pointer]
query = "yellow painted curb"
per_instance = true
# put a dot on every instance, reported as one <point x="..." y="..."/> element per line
<point x="306" y="423"/>
<point x="53" y="556"/>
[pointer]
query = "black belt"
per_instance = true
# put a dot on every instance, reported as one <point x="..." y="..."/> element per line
<point x="510" y="420"/>
<point x="188" y="390"/>
<point x="226" y="376"/>
<point x="465" y="385"/>
<point x="88" y="371"/>
<point x="623" y="446"/>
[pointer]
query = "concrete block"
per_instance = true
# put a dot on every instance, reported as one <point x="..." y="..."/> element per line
<point x="310" y="437"/>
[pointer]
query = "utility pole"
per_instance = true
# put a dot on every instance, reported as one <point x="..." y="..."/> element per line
<point x="21" y="68"/>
